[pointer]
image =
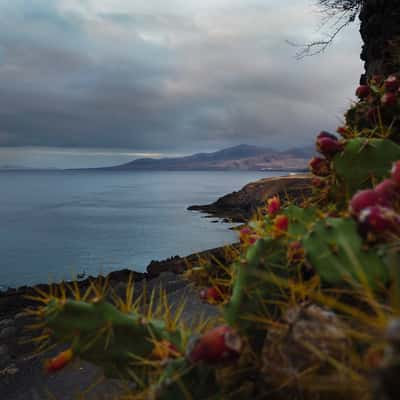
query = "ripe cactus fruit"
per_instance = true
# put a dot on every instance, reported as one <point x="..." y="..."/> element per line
<point x="392" y="83"/>
<point x="363" y="199"/>
<point x="58" y="362"/>
<point x="342" y="131"/>
<point x="379" y="221"/>
<point x="326" y="135"/>
<point x="211" y="295"/>
<point x="337" y="253"/>
<point x="389" y="99"/>
<point x="364" y="161"/>
<point x="319" y="166"/>
<point x="273" y="205"/>
<point x="363" y="91"/>
<point x="218" y="345"/>
<point x="329" y="147"/>
<point x="318" y="183"/>
<point x="387" y="191"/>
<point x="396" y="173"/>
<point x="281" y="224"/>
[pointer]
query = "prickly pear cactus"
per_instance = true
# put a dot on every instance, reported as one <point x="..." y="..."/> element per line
<point x="319" y="277"/>
<point x="364" y="162"/>
<point x="336" y="251"/>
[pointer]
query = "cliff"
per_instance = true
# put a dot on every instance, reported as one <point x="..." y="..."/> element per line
<point x="241" y="205"/>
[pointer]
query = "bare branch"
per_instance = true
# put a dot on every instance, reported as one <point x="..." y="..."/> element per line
<point x="339" y="14"/>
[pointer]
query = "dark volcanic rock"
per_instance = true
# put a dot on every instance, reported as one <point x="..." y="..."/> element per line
<point x="240" y="206"/>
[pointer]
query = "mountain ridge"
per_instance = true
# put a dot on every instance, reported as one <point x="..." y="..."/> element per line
<point x="240" y="157"/>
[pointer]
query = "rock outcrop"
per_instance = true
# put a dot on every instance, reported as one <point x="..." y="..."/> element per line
<point x="241" y="205"/>
<point x="380" y="31"/>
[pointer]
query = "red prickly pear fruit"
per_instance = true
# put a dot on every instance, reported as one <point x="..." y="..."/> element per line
<point x="281" y="224"/>
<point x="58" y="362"/>
<point x="363" y="91"/>
<point x="328" y="146"/>
<point x="389" y="99"/>
<point x="396" y="173"/>
<point x="388" y="192"/>
<point x="324" y="134"/>
<point x="341" y="130"/>
<point x="379" y="221"/>
<point x="392" y="83"/>
<point x="320" y="166"/>
<point x="273" y="205"/>
<point x="318" y="183"/>
<point x="245" y="233"/>
<point x="211" y="295"/>
<point x="253" y="238"/>
<point x="215" y="346"/>
<point x="363" y="199"/>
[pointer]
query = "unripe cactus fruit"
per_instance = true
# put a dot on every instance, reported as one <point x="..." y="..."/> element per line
<point x="363" y="91"/>
<point x="396" y="173"/>
<point x="389" y="99"/>
<point x="392" y="83"/>
<point x="363" y="199"/>
<point x="215" y="346"/>
<point x="58" y="362"/>
<point x="273" y="205"/>
<point x="328" y="146"/>
<point x="379" y="221"/>
<point x="319" y="166"/>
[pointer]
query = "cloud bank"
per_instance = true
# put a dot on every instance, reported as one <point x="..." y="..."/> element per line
<point x="193" y="76"/>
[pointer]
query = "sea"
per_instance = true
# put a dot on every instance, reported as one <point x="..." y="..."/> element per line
<point x="61" y="224"/>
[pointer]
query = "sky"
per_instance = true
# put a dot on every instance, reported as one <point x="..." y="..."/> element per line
<point x="99" y="82"/>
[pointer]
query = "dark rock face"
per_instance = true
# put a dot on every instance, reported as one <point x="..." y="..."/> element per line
<point x="240" y="206"/>
<point x="380" y="31"/>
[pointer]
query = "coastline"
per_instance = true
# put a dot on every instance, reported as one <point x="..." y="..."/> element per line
<point x="240" y="206"/>
<point x="21" y="372"/>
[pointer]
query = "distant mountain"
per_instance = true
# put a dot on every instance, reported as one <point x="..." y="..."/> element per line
<point x="241" y="157"/>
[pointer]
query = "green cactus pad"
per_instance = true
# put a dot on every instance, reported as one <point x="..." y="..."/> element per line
<point x="300" y="221"/>
<point x="249" y="290"/>
<point x="101" y="334"/>
<point x="336" y="251"/>
<point x="180" y="378"/>
<point x="363" y="162"/>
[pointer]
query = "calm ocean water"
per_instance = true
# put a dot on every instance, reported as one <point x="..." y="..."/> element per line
<point x="55" y="224"/>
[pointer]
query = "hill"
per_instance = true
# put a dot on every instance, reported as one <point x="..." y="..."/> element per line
<point x="241" y="157"/>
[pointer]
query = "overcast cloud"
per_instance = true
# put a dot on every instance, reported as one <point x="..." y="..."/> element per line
<point x="157" y="76"/>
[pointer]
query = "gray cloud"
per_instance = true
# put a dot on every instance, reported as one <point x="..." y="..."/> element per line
<point x="82" y="74"/>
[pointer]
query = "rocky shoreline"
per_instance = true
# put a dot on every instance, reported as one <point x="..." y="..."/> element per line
<point x="241" y="205"/>
<point x="21" y="374"/>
